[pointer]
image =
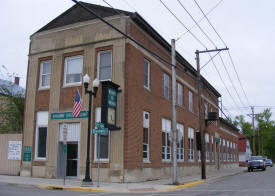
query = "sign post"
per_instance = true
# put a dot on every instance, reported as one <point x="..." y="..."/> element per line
<point x="65" y="133"/>
<point x="99" y="129"/>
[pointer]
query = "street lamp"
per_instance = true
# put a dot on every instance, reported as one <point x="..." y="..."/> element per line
<point x="86" y="80"/>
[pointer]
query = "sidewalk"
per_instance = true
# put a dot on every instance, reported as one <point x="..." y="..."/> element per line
<point x="149" y="186"/>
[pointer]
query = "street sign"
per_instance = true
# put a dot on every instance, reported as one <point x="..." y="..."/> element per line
<point x="99" y="125"/>
<point x="67" y="115"/>
<point x="100" y="131"/>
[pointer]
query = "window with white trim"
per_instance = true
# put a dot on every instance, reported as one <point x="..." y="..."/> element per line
<point x="41" y="135"/>
<point x="228" y="152"/>
<point x="231" y="155"/>
<point x="199" y="153"/>
<point x="102" y="141"/>
<point x="213" y="148"/>
<point x="206" y="137"/>
<point x="180" y="97"/>
<point x="45" y="74"/>
<point x="146" y="74"/>
<point x="205" y="110"/>
<point x="166" y="86"/>
<point x="190" y="101"/>
<point x="166" y="148"/>
<point x="190" y="144"/>
<point x="224" y="152"/>
<point x="73" y="70"/>
<point x="146" y="136"/>
<point x="180" y="143"/>
<point x="104" y="65"/>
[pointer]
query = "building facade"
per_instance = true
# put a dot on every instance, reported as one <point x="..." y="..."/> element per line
<point x="76" y="43"/>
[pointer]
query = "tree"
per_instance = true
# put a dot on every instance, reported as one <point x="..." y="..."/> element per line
<point x="11" y="112"/>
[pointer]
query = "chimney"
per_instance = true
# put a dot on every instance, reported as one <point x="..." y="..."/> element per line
<point x="16" y="80"/>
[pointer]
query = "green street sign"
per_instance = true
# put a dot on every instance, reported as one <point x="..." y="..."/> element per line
<point x="99" y="125"/>
<point x="100" y="131"/>
<point x="27" y="154"/>
<point x="65" y="148"/>
<point x="67" y="115"/>
<point x="217" y="139"/>
<point x="112" y="98"/>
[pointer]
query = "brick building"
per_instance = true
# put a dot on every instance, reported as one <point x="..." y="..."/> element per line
<point x="76" y="43"/>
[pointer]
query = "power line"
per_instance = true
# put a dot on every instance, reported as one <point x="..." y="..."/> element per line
<point x="182" y="24"/>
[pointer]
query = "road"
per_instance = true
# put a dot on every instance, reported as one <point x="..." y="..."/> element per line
<point x="247" y="183"/>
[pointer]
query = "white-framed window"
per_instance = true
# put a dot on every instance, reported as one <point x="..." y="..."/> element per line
<point x="146" y="74"/>
<point x="231" y="155"/>
<point x="190" y="101"/>
<point x="180" y="97"/>
<point x="190" y="144"/>
<point x="205" y="110"/>
<point x="146" y="136"/>
<point x="73" y="70"/>
<point x="213" y="148"/>
<point x="41" y="135"/>
<point x="234" y="152"/>
<point x="206" y="137"/>
<point x="166" y="86"/>
<point x="166" y="147"/>
<point x="45" y="74"/>
<point x="101" y="141"/>
<point x="228" y="151"/>
<point x="224" y="152"/>
<point x="199" y="156"/>
<point x="104" y="65"/>
<point x="180" y="143"/>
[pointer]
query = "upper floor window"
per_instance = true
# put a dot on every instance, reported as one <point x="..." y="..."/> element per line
<point x="146" y="74"/>
<point x="180" y="94"/>
<point x="45" y="74"/>
<point x="205" y="110"/>
<point x="104" y="65"/>
<point x="190" y="101"/>
<point x="166" y="86"/>
<point x="73" y="70"/>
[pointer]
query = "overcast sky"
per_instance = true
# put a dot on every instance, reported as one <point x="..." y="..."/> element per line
<point x="246" y="26"/>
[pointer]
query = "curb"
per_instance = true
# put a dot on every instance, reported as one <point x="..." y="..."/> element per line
<point x="67" y="188"/>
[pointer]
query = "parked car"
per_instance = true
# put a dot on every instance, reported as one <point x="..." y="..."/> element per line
<point x="268" y="162"/>
<point x="256" y="162"/>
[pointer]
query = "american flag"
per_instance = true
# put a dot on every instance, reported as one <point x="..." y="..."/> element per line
<point x="77" y="104"/>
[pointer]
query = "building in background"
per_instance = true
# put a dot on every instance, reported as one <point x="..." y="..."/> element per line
<point x="76" y="43"/>
<point x="244" y="149"/>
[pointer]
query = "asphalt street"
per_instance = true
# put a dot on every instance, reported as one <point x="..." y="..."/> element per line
<point x="247" y="183"/>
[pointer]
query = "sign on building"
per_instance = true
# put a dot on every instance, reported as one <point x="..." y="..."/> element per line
<point x="14" y="150"/>
<point x="27" y="154"/>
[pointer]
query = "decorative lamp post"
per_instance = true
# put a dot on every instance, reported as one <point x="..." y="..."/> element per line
<point x="86" y="80"/>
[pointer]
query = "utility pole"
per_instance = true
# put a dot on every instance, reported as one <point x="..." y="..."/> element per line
<point x="253" y="131"/>
<point x="203" y="173"/>
<point x="174" y="114"/>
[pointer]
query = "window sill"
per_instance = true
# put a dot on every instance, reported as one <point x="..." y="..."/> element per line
<point x="39" y="159"/>
<point x="44" y="88"/>
<point x="101" y="161"/>
<point x="147" y="88"/>
<point x="146" y="161"/>
<point x="166" y="161"/>
<point x="72" y="85"/>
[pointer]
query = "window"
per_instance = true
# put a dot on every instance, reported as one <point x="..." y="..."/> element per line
<point x="228" y="151"/>
<point x="146" y="74"/>
<point x="166" y="86"/>
<point x="180" y="143"/>
<point x="104" y="66"/>
<point x="231" y="155"/>
<point x="213" y="146"/>
<point x="180" y="94"/>
<point x="73" y="70"/>
<point x="101" y="141"/>
<point x="224" y="152"/>
<point x="45" y="74"/>
<point x="146" y="136"/>
<point x="190" y="101"/>
<point x="41" y="135"/>
<point x="190" y="144"/>
<point x="166" y="148"/>
<point x="206" y="137"/>
<point x="199" y="152"/>
<point x="205" y="111"/>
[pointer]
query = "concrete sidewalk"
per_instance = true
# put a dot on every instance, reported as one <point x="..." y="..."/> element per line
<point x="149" y="186"/>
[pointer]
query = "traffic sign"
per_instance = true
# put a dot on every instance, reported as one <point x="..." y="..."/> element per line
<point x="100" y="131"/>
<point x="67" y="115"/>
<point x="99" y="125"/>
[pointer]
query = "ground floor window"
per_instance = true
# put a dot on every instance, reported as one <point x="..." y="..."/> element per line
<point x="180" y="142"/>
<point x="207" y="153"/>
<point x="190" y="144"/>
<point x="41" y="135"/>
<point x="166" y="147"/>
<point x="145" y="140"/>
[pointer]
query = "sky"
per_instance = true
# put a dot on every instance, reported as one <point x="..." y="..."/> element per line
<point x="246" y="27"/>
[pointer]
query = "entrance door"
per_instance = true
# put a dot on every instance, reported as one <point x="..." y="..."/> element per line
<point x="72" y="157"/>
